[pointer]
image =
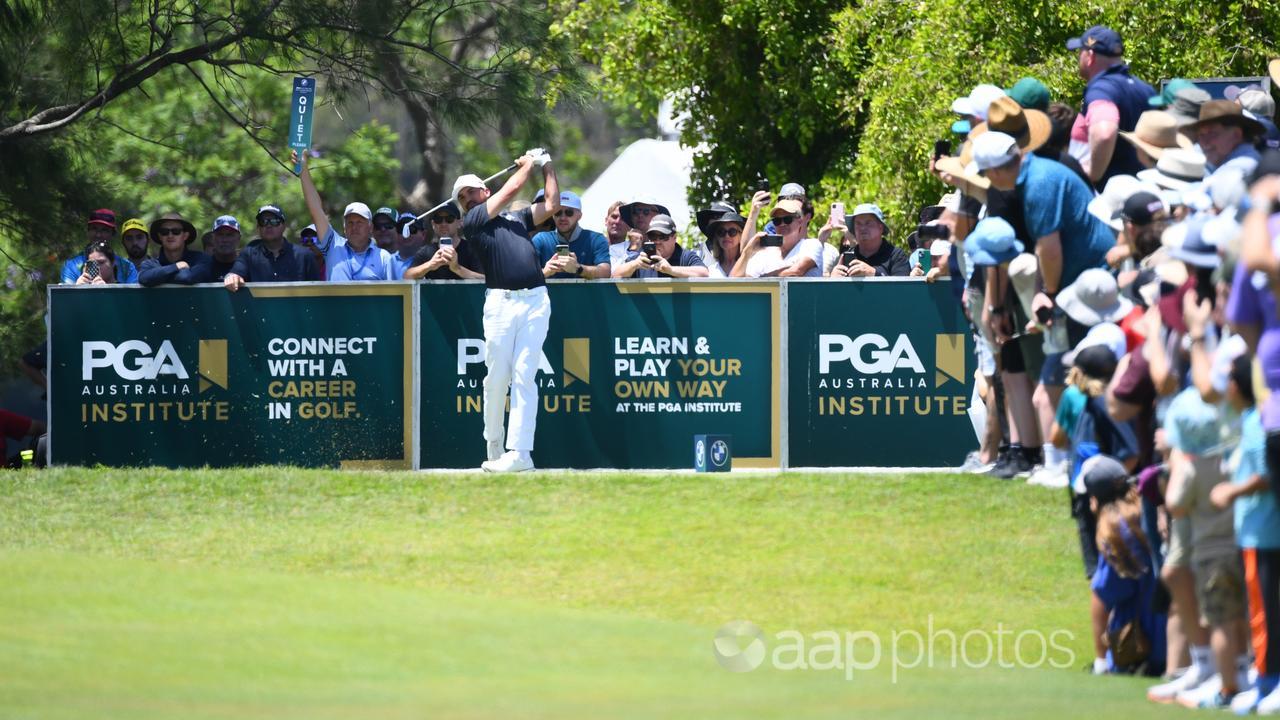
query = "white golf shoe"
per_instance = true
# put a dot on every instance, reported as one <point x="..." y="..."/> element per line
<point x="510" y="462"/>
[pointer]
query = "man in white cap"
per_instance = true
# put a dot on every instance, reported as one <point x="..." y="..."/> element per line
<point x="974" y="106"/>
<point x="517" y="310"/>
<point x="353" y="257"/>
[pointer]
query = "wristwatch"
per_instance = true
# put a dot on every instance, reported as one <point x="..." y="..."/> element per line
<point x="578" y="272"/>
<point x="995" y="310"/>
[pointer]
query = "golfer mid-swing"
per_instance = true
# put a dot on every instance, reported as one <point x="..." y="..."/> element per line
<point x="516" y="307"/>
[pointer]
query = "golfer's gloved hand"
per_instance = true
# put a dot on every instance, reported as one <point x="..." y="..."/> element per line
<point x="540" y="157"/>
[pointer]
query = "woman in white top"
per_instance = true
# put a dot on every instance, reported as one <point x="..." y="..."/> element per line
<point x="724" y="238"/>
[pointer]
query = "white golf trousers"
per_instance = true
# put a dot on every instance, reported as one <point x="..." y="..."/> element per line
<point x="515" y="325"/>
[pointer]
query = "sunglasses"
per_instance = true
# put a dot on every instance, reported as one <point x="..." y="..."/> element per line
<point x="644" y="211"/>
<point x="385" y="226"/>
<point x="270" y="221"/>
<point x="784" y="219"/>
<point x="659" y="237"/>
<point x="134" y="236"/>
<point x="170" y="231"/>
<point x="443" y="219"/>
<point x="726" y="232"/>
<point x="566" y="213"/>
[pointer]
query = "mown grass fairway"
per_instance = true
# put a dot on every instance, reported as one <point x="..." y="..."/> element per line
<point x="279" y="593"/>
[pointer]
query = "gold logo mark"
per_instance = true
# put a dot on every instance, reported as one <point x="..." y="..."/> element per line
<point x="577" y="360"/>
<point x="949" y="352"/>
<point x="213" y="364"/>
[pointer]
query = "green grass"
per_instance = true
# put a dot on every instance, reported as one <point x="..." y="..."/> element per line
<point x="288" y="593"/>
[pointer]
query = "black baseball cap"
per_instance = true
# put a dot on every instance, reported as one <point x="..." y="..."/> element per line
<point x="1141" y="208"/>
<point x="1105" y="479"/>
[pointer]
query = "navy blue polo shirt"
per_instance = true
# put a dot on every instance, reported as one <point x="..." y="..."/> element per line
<point x="679" y="258"/>
<point x="159" y="271"/>
<point x="293" y="264"/>
<point x="1129" y="95"/>
<point x="502" y="243"/>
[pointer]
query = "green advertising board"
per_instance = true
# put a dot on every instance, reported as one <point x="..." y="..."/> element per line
<point x="630" y="372"/>
<point x="880" y="375"/>
<point x="302" y="374"/>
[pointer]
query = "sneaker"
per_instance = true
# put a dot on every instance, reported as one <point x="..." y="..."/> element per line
<point x="1269" y="705"/>
<point x="1185" y="679"/>
<point x="1050" y="476"/>
<point x="1244" y="701"/>
<point x="510" y="462"/>
<point x="1191" y="698"/>
<point x="1217" y="701"/>
<point x="1019" y="463"/>
<point x="1002" y="461"/>
<point x="973" y="463"/>
<point x="495" y="450"/>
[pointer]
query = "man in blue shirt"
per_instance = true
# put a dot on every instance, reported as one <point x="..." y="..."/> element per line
<point x="588" y="251"/>
<point x="410" y="237"/>
<point x="354" y="257"/>
<point x="1068" y="239"/>
<point x="271" y="258"/>
<point x="1113" y="101"/>
<point x="1225" y="135"/>
<point x="101" y="228"/>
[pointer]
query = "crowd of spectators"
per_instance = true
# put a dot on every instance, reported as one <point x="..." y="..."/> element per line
<point x="1119" y="270"/>
<point x="1120" y="267"/>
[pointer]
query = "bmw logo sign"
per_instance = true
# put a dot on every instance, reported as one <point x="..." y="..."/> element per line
<point x="719" y="453"/>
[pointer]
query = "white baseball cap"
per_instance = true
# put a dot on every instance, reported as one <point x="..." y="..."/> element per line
<point x="358" y="208"/>
<point x="993" y="150"/>
<point x="978" y="102"/>
<point x="466" y="182"/>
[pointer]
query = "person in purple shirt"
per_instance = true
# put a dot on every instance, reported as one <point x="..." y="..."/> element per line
<point x="1251" y="308"/>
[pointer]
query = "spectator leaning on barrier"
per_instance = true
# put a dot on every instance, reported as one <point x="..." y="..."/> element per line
<point x="517" y="311"/>
<point x="99" y="266"/>
<point x="411" y="235"/>
<point x="724" y="239"/>
<point x="449" y="256"/>
<point x="354" y="257"/>
<point x="661" y="255"/>
<point x="175" y="263"/>
<point x="585" y="252"/>
<point x="224" y="248"/>
<point x="272" y="258"/>
<point x="1113" y="101"/>
<point x="385" y="231"/>
<point x="796" y="256"/>
<point x="871" y="255"/>
<point x="615" y="230"/>
<point x="637" y="213"/>
<point x="134" y="240"/>
<point x="100" y="228"/>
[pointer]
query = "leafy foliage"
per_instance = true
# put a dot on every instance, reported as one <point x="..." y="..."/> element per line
<point x="853" y="95"/>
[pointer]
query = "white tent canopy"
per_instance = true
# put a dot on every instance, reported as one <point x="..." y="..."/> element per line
<point x="659" y="168"/>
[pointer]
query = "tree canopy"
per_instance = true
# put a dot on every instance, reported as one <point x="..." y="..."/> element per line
<point x="847" y="99"/>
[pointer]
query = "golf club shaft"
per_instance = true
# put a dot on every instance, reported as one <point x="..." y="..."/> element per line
<point x="487" y="180"/>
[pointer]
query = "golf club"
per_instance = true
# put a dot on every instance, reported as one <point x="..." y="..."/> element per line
<point x="487" y="180"/>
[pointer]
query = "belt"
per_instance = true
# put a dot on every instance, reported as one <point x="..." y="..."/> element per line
<point x="527" y="292"/>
